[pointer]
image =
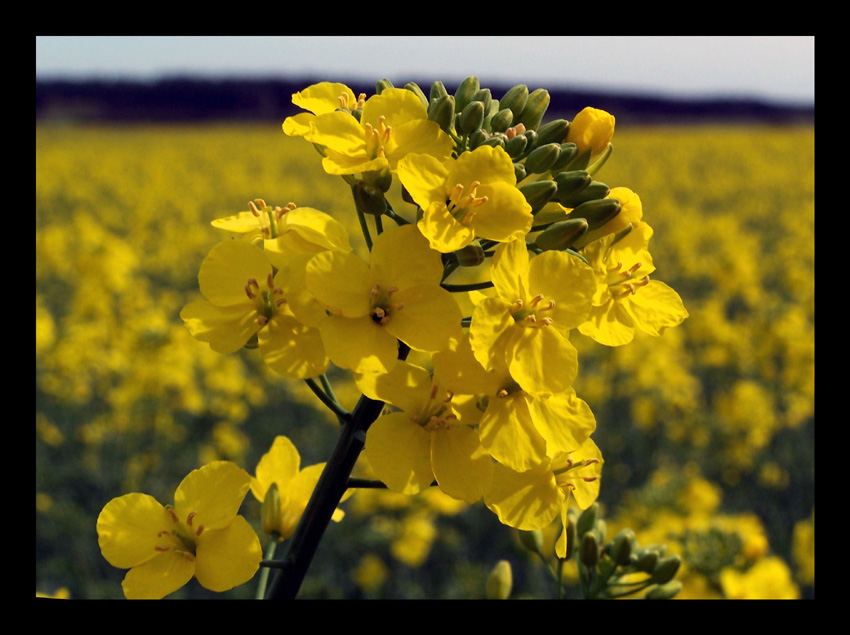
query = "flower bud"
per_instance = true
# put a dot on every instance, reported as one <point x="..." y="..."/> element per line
<point x="587" y="520"/>
<point x="270" y="511"/>
<point x="647" y="559"/>
<point x="500" y="582"/>
<point x="369" y="199"/>
<point x="542" y="157"/>
<point x="664" y="591"/>
<point x="442" y="111"/>
<point x="620" y="549"/>
<point x="561" y="235"/>
<point x="589" y="549"/>
<point x="597" y="212"/>
<point x="519" y="172"/>
<point x="413" y="87"/>
<point x="471" y="117"/>
<point x="532" y="540"/>
<point x="666" y="569"/>
<point x="496" y="140"/>
<point x="592" y="129"/>
<point x="569" y="151"/>
<point x="464" y="92"/>
<point x="553" y="132"/>
<point x="483" y="95"/>
<point x="535" y="108"/>
<point x="438" y="89"/>
<point x="477" y="138"/>
<point x="515" y="99"/>
<point x="502" y="120"/>
<point x="382" y="85"/>
<point x="593" y="192"/>
<point x="571" y="183"/>
<point x="470" y="256"/>
<point x="539" y="193"/>
<point x="516" y="146"/>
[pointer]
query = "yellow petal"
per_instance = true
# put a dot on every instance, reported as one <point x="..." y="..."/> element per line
<point x="214" y="492"/>
<point x="422" y="137"/>
<point x="156" y="578"/>
<point x="292" y="349"/>
<point x="323" y="97"/>
<point x="655" y="307"/>
<point x="509" y="271"/>
<point x="279" y="465"/>
<point x="587" y="479"/>
<point x="429" y="319"/>
<point x="227" y="557"/>
<point x="225" y="329"/>
<point x="397" y="105"/>
<point x="524" y="500"/>
<point x="541" y="360"/>
<point x="359" y="344"/>
<point x="298" y="125"/>
<point x="399" y="452"/>
<point x="567" y="281"/>
<point x="504" y="216"/>
<point x="463" y="470"/>
<point x="444" y="233"/>
<point x="341" y="281"/>
<point x="507" y="432"/>
<point x="228" y="267"/>
<point x="609" y="324"/>
<point x="401" y="258"/>
<point x="490" y="331"/>
<point x="424" y="178"/>
<point x="127" y="529"/>
<point x="405" y="386"/>
<point x="564" y="420"/>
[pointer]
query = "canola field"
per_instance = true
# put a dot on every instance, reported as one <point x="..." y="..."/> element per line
<point x="709" y="445"/>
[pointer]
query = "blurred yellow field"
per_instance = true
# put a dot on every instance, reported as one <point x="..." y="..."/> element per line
<point x="710" y="442"/>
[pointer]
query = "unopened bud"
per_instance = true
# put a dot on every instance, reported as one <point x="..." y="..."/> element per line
<point x="587" y="520"/>
<point x="646" y="561"/>
<point x="554" y="131"/>
<point x="502" y="120"/>
<point x="382" y="85"/>
<point x="532" y="540"/>
<point x="589" y="549"/>
<point x="535" y="108"/>
<point x="519" y="172"/>
<point x="597" y="212"/>
<point x="477" y="138"/>
<point x="463" y="95"/>
<point x="591" y="130"/>
<point x="438" y="89"/>
<point x="571" y="183"/>
<point x="470" y="256"/>
<point x="516" y="146"/>
<point x="561" y="235"/>
<point x="515" y="99"/>
<point x="497" y="140"/>
<point x="270" y="511"/>
<point x="538" y="193"/>
<point x="569" y="151"/>
<point x="666" y="569"/>
<point x="472" y="117"/>
<point x="570" y="530"/>
<point x="664" y="591"/>
<point x="542" y="158"/>
<point x="500" y="582"/>
<point x="595" y="191"/>
<point x="413" y="87"/>
<point x="483" y="95"/>
<point x="621" y="547"/>
<point x="369" y="199"/>
<point x="442" y="111"/>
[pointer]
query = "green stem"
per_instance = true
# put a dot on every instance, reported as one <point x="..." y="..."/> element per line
<point x="394" y="215"/>
<point x="330" y="401"/>
<point x="364" y="483"/>
<point x="264" y="574"/>
<point x="472" y="286"/>
<point x="365" y="229"/>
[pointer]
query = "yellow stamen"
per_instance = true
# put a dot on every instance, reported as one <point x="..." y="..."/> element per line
<point x="190" y="517"/>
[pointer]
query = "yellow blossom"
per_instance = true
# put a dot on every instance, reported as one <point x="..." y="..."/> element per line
<point x="591" y="130"/>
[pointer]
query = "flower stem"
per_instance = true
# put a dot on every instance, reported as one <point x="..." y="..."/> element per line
<point x="264" y="574"/>
<point x="328" y="399"/>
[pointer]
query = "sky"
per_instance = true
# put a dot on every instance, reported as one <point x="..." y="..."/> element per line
<point x="772" y="68"/>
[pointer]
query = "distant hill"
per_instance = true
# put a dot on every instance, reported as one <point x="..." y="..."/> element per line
<point x="192" y="99"/>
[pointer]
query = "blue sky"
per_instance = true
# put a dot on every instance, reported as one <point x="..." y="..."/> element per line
<point x="775" y="68"/>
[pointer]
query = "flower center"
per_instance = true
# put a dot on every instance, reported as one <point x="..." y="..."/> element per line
<point x="265" y="300"/>
<point x="376" y="137"/>
<point x="346" y="104"/>
<point x="565" y="477"/>
<point x="382" y="304"/>
<point x="534" y="313"/>
<point x="181" y="537"/>
<point x="437" y="413"/>
<point x="623" y="282"/>
<point x="461" y="202"/>
<point x="268" y="216"/>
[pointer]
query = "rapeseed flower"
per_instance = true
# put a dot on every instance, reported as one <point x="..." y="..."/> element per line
<point x="320" y="99"/>
<point x="526" y="324"/>
<point x="534" y="498"/>
<point x="473" y="196"/>
<point x="244" y="299"/>
<point x="397" y="296"/>
<point x="626" y="299"/>
<point x="200" y="536"/>
<point x="591" y="130"/>
<point x="391" y="125"/>
<point x="428" y="439"/>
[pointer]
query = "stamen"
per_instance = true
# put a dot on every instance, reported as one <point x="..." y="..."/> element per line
<point x="530" y="318"/>
<point x="374" y="291"/>
<point x="171" y="513"/>
<point x="262" y="320"/>
<point x="591" y="461"/>
<point x="391" y="290"/>
<point x="248" y="292"/>
<point x="200" y="529"/>
<point x="536" y="299"/>
<point x="190" y="517"/>
<point x="434" y="390"/>
<point x="546" y="321"/>
<point x="517" y="305"/>
<point x="253" y="209"/>
<point x="614" y="268"/>
<point x="279" y="302"/>
<point x="455" y="194"/>
<point x="270" y="281"/>
<point x="162" y="533"/>
<point x="589" y="479"/>
<point x="158" y="548"/>
<point x="502" y="393"/>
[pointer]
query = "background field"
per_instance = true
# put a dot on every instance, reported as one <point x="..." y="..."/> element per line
<point x="707" y="432"/>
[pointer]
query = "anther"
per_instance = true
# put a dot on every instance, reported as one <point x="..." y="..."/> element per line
<point x="374" y="291"/>
<point x="616" y="267"/>
<point x="158" y="548"/>
<point x="530" y="318"/>
<point x="171" y="513"/>
<point x="546" y="321"/>
<point x="190" y="517"/>
<point x="262" y="320"/>
<point x="589" y="479"/>
<point x="199" y="530"/>
<point x="270" y="281"/>
<point x="591" y="461"/>
<point x="536" y="299"/>
<point x="502" y="393"/>
<point x="434" y="390"/>
<point x="253" y="209"/>
<point x="248" y="292"/>
<point x="162" y="533"/>
<point x="279" y="302"/>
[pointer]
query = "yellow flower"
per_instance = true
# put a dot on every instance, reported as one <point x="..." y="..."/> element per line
<point x="626" y="299"/>
<point x="591" y="130"/>
<point x="200" y="536"/>
<point x="391" y="125"/>
<point x="244" y="299"/>
<point x="370" y="306"/>
<point x="768" y="579"/>
<point x="526" y="325"/>
<point x="532" y="499"/>
<point x="319" y="99"/>
<point x="281" y="466"/>
<point x="427" y="440"/>
<point x="473" y="196"/>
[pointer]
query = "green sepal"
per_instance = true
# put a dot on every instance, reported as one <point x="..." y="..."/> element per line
<point x="519" y="172"/>
<point x="542" y="157"/>
<point x="568" y="153"/>
<point x="538" y="193"/>
<point x="535" y="108"/>
<point x="666" y="569"/>
<point x="502" y="120"/>
<point x="620" y="549"/>
<point x="553" y="132"/>
<point x="483" y="95"/>
<point x="470" y="256"/>
<point x="471" y="117"/>
<point x="477" y="138"/>
<point x="516" y="146"/>
<point x="413" y="87"/>
<point x="369" y="199"/>
<point x="597" y="212"/>
<point x="571" y="183"/>
<point x="438" y="89"/>
<point x="382" y="85"/>
<point x="442" y="111"/>
<point x="562" y="234"/>
<point x="463" y="95"/>
<point x="515" y="99"/>
<point x="587" y="519"/>
<point x="589" y="549"/>
<point x="595" y="191"/>
<point x="664" y="591"/>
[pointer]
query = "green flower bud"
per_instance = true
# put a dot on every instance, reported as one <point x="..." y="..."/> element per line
<point x="470" y="256"/>
<point x="413" y="87"/>
<point x="587" y="520"/>
<point x="516" y="146"/>
<point x="270" y="512"/>
<point x="538" y="193"/>
<point x="500" y="582"/>
<point x="647" y="559"/>
<point x="532" y="540"/>
<point x="593" y="192"/>
<point x="666" y="569"/>
<point x="515" y="99"/>
<point x="378" y="179"/>
<point x="553" y="132"/>
<point x="483" y="95"/>
<point x="571" y="183"/>
<point x="620" y="548"/>
<point x="561" y="235"/>
<point x="477" y="138"/>
<point x="579" y="161"/>
<point x="535" y="108"/>
<point x="369" y="199"/>
<point x="442" y="110"/>
<point x="502" y="120"/>
<point x="589" y="549"/>
<point x="542" y="158"/>
<point x="597" y="212"/>
<point x="531" y="135"/>
<point x="568" y="153"/>
<point x="438" y="90"/>
<point x="497" y="139"/>
<point x="471" y="117"/>
<point x="664" y="591"/>
<point x="382" y="85"/>
<point x="464" y="92"/>
<point x="519" y="172"/>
